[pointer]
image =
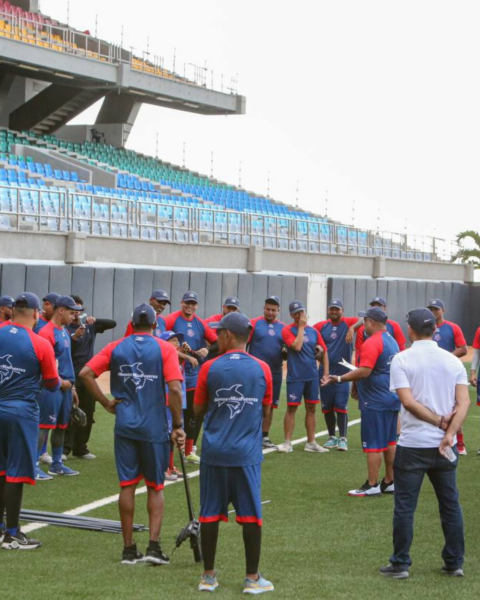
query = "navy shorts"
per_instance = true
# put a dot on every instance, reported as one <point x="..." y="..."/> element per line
<point x="18" y="448"/>
<point x="335" y="398"/>
<point x="309" y="390"/>
<point x="220" y="486"/>
<point x="378" y="430"/>
<point x="137" y="460"/>
<point x="55" y="409"/>
<point x="478" y="391"/>
<point x="277" y="380"/>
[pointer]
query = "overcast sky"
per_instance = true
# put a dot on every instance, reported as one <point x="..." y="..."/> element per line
<point x="372" y="104"/>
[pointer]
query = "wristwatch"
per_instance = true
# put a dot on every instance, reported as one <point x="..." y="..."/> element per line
<point x="339" y="379"/>
<point x="177" y="425"/>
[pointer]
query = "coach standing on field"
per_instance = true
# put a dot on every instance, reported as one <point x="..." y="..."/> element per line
<point x="431" y="383"/>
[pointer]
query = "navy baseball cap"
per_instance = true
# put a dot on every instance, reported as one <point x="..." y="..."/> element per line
<point x="7" y="301"/>
<point x="235" y="322"/>
<point x="52" y="297"/>
<point x="29" y="299"/>
<point x="273" y="300"/>
<point x="168" y="335"/>
<point x="67" y="302"/>
<point x="232" y="301"/>
<point x="295" y="306"/>
<point x="335" y="303"/>
<point x="379" y="300"/>
<point x="436" y="303"/>
<point x="144" y="309"/>
<point x="375" y="313"/>
<point x="161" y="296"/>
<point x="190" y="297"/>
<point x="421" y="319"/>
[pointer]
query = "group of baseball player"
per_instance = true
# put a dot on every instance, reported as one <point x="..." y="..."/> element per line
<point x="172" y="376"/>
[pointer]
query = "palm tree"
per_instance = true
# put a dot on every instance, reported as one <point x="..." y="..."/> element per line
<point x="471" y="255"/>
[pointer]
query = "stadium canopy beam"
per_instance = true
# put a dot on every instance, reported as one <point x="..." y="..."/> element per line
<point x="119" y="111"/>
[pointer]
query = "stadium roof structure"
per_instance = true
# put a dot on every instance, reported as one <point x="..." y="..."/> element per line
<point x="71" y="70"/>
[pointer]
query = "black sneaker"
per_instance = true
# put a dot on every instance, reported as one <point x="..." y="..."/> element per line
<point x="155" y="555"/>
<point x="267" y="443"/>
<point x="394" y="571"/>
<point x="131" y="556"/>
<point x="453" y="572"/>
<point x="387" y="488"/>
<point x="19" y="542"/>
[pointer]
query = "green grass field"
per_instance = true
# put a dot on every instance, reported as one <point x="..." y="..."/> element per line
<point x="317" y="541"/>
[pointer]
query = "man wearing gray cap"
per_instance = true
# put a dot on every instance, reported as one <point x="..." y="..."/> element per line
<point x="433" y="389"/>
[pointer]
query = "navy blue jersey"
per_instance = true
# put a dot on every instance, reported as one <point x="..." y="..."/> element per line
<point x="449" y="336"/>
<point x="235" y="385"/>
<point x="40" y="324"/>
<point x="266" y="342"/>
<point x="60" y="341"/>
<point x="159" y="329"/>
<point x="334" y="338"/>
<point x="26" y="361"/>
<point x="139" y="366"/>
<point x="302" y="366"/>
<point x="377" y="354"/>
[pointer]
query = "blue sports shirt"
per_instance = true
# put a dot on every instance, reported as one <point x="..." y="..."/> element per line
<point x="266" y="342"/>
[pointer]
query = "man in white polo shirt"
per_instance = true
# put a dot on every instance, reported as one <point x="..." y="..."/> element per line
<point x="433" y="389"/>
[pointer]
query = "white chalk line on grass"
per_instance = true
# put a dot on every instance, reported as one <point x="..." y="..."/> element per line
<point x="80" y="510"/>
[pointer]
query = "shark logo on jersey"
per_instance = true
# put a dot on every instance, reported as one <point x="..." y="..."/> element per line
<point x="134" y="373"/>
<point x="234" y="399"/>
<point x="6" y="368"/>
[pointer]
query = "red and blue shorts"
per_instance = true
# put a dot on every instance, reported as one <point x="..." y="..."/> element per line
<point x="309" y="390"/>
<point x="335" y="398"/>
<point x="18" y="448"/>
<point x="137" y="460"/>
<point x="55" y="409"/>
<point x="378" y="430"/>
<point x="277" y="380"/>
<point x="220" y="486"/>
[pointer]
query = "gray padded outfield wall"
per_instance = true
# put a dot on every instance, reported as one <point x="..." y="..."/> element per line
<point x="403" y="295"/>
<point x="113" y="292"/>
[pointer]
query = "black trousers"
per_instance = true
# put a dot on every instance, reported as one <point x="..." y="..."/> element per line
<point x="76" y="438"/>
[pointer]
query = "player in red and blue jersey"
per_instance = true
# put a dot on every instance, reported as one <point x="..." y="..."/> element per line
<point x="233" y="392"/>
<point x="474" y="378"/>
<point x="55" y="408"/>
<point x="231" y="304"/>
<point x="337" y="333"/>
<point x="141" y="366"/>
<point x="26" y="363"/>
<point x="378" y="405"/>
<point x="158" y="300"/>
<point x="305" y="346"/>
<point x="48" y="308"/>
<point x="450" y="337"/>
<point x="266" y="343"/>
<point x="6" y="309"/>
<point x="196" y="333"/>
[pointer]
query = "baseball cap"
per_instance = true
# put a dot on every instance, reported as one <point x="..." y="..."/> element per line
<point x="295" y="306"/>
<point x="273" y="299"/>
<point x="421" y="319"/>
<point x="335" y="303"/>
<point x="52" y="297"/>
<point x="168" y="335"/>
<point x="190" y="297"/>
<point x="160" y="295"/>
<point x="235" y="322"/>
<point x="67" y="302"/>
<point x="7" y="301"/>
<point x="232" y="301"/>
<point x="375" y="313"/>
<point x="379" y="300"/>
<point x="144" y="309"/>
<point x="29" y="299"/>
<point x="436" y="303"/>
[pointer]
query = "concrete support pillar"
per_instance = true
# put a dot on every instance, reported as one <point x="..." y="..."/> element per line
<point x="255" y="259"/>
<point x="379" y="267"/>
<point x="469" y="276"/>
<point x="75" y="249"/>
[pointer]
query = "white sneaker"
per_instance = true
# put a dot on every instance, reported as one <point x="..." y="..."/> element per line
<point x="314" y="447"/>
<point x="193" y="458"/>
<point x="64" y="457"/>
<point x="285" y="447"/>
<point x="46" y="459"/>
<point x="88" y="456"/>
<point x="366" y="490"/>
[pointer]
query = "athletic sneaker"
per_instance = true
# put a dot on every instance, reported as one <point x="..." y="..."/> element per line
<point x="46" y="459"/>
<point x="208" y="583"/>
<point x="458" y="572"/>
<point x="2" y="534"/>
<point x="332" y="442"/>
<point x="267" y="443"/>
<point x="193" y="458"/>
<point x="366" y="490"/>
<point x="170" y="476"/>
<point x="257" y="587"/>
<point x="395" y="571"/>
<point x="387" y="488"/>
<point x="461" y="449"/>
<point x="131" y="556"/>
<point x="342" y="444"/>
<point x="314" y="447"/>
<point x="64" y="457"/>
<point x="177" y="472"/>
<point x="41" y="475"/>
<point x="478" y="453"/>
<point x="19" y="542"/>
<point x="87" y="456"/>
<point x="155" y="555"/>
<point x="285" y="447"/>
<point x="61" y="469"/>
